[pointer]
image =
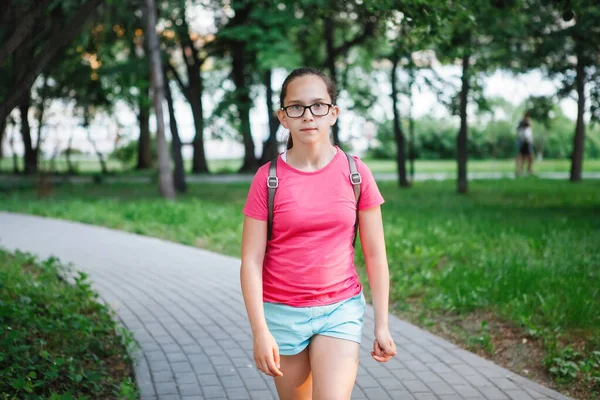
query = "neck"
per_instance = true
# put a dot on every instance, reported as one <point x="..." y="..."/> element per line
<point x="311" y="157"/>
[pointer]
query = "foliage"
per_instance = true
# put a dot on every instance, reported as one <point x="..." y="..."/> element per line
<point x="56" y="339"/>
<point x="127" y="152"/>
<point x="489" y="138"/>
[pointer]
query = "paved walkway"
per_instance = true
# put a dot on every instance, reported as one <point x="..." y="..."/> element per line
<point x="185" y="307"/>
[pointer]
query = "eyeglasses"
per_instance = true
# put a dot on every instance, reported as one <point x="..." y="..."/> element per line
<point x="317" y="109"/>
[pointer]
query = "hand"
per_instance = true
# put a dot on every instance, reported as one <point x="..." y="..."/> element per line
<point x="384" y="347"/>
<point x="266" y="354"/>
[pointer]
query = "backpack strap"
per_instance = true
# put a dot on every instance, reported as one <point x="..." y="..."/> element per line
<point x="356" y="180"/>
<point x="272" y="184"/>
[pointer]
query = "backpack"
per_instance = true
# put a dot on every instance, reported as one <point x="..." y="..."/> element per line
<point x="273" y="183"/>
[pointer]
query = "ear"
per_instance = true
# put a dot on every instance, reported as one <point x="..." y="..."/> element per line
<point x="333" y="115"/>
<point x="282" y="118"/>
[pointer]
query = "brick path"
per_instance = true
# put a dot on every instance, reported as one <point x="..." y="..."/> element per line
<point x="185" y="308"/>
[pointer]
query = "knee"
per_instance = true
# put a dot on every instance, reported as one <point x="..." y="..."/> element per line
<point x="332" y="396"/>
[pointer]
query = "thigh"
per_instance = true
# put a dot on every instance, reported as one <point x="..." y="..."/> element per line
<point x="334" y="364"/>
<point x="296" y="382"/>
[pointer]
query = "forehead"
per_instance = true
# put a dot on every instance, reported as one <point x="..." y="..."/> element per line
<point x="307" y="88"/>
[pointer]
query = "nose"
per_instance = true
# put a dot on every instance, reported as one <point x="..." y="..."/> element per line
<point x="308" y="115"/>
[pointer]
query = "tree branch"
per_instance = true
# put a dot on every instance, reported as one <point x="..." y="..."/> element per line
<point x="182" y="86"/>
<point x="24" y="27"/>
<point x="58" y="39"/>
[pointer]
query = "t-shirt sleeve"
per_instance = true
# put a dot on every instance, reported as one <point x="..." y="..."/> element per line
<point x="256" y="202"/>
<point x="370" y="196"/>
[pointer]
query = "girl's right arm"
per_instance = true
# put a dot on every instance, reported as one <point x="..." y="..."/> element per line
<point x="254" y="242"/>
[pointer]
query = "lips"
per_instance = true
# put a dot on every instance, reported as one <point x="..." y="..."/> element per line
<point x="308" y="129"/>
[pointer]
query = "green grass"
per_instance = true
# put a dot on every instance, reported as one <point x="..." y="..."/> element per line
<point x="91" y="165"/>
<point x="56" y="340"/>
<point x="449" y="166"/>
<point x="526" y="250"/>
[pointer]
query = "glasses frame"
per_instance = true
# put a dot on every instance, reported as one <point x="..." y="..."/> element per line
<point x="308" y="107"/>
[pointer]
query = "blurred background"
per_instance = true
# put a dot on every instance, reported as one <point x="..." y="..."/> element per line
<point x="76" y="91"/>
<point x="502" y="261"/>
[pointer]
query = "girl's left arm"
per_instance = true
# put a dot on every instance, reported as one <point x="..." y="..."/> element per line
<point x="370" y="225"/>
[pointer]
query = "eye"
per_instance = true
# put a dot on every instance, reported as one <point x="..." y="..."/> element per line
<point x="318" y="106"/>
<point x="296" y="108"/>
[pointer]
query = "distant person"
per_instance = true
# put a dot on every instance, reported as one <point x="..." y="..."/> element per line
<point x="303" y="296"/>
<point x="524" y="146"/>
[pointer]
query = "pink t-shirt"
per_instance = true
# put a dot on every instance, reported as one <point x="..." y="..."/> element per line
<point x="310" y="259"/>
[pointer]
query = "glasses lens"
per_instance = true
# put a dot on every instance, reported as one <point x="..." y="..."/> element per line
<point x="319" y="109"/>
<point x="295" y="111"/>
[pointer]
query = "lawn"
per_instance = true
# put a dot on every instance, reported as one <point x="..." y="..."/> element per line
<point x="90" y="165"/>
<point x="511" y="271"/>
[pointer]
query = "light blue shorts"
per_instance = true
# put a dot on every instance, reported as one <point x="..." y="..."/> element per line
<point x="293" y="327"/>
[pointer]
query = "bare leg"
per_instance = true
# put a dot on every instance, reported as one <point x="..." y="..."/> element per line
<point x="334" y="363"/>
<point x="519" y="165"/>
<point x="296" y="382"/>
<point x="529" y="163"/>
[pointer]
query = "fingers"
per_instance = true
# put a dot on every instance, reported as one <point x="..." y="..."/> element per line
<point x="273" y="362"/>
<point x="269" y="364"/>
<point x="273" y="370"/>
<point x="276" y="357"/>
<point x="383" y="353"/>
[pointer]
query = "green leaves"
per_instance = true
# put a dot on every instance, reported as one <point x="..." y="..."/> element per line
<point x="54" y="335"/>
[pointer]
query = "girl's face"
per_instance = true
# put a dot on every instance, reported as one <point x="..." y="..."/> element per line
<point x="305" y="91"/>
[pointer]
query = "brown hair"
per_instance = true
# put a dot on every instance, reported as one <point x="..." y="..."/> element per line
<point x="298" y="72"/>
<point x="525" y="121"/>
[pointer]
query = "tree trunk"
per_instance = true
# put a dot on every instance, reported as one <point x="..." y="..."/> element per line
<point x="244" y="104"/>
<point x="59" y="37"/>
<point x="22" y="31"/>
<point x="11" y="143"/>
<point x="144" y="160"/>
<point x="330" y="50"/>
<point x="411" y="126"/>
<point x="398" y="134"/>
<point x="70" y="166"/>
<point x="166" y="187"/>
<point x="2" y="135"/>
<point x="103" y="167"/>
<point x="461" y="140"/>
<point x="179" y="172"/>
<point x="578" y="140"/>
<point x="270" y="149"/>
<point x="194" y="96"/>
<point x="30" y="158"/>
<point x="199" y="164"/>
<point x="43" y="95"/>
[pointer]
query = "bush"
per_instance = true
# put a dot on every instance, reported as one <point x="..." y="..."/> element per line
<point x="56" y="339"/>
<point x="436" y="139"/>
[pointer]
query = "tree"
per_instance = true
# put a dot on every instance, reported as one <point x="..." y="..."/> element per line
<point x="406" y="37"/>
<point x="166" y="187"/>
<point x="56" y="28"/>
<point x="179" y="172"/>
<point x="564" y="38"/>
<point x="273" y="46"/>
<point x="2" y="134"/>
<point x="194" y="56"/>
<point x="331" y="29"/>
<point x="232" y="39"/>
<point x="480" y="37"/>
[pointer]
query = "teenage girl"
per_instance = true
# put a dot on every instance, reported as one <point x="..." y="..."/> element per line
<point x="301" y="290"/>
